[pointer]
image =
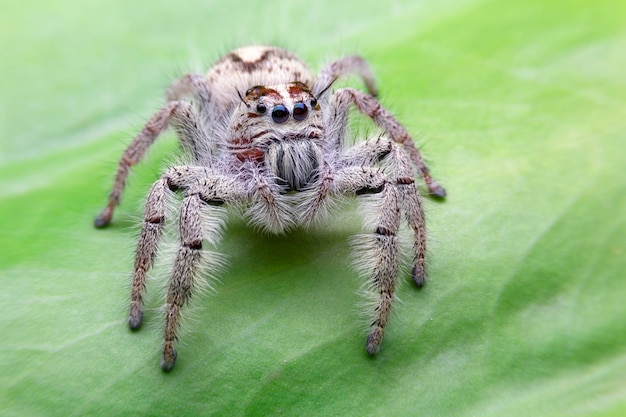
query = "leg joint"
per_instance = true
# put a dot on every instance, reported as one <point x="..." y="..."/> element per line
<point x="383" y="231"/>
<point x="404" y="181"/>
<point x="194" y="245"/>
<point x="370" y="190"/>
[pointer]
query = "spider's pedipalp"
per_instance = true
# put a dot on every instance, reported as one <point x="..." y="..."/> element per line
<point x="267" y="209"/>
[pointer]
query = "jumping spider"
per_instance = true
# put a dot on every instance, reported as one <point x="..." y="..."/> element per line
<point x="277" y="152"/>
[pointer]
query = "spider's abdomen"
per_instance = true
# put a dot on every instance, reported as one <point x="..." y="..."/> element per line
<point x="294" y="162"/>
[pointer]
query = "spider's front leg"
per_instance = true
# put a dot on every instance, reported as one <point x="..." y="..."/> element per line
<point x="198" y="203"/>
<point x="202" y="190"/>
<point x="147" y="246"/>
<point x="152" y="229"/>
<point x="186" y="268"/>
<point x="379" y="252"/>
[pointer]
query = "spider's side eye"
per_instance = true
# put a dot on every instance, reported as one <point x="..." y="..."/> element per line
<point x="280" y="114"/>
<point x="261" y="108"/>
<point x="300" y="111"/>
<point x="313" y="102"/>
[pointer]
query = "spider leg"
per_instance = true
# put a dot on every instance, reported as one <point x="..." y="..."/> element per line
<point x="267" y="210"/>
<point x="151" y="231"/>
<point x="200" y="197"/>
<point x="368" y="105"/>
<point x="341" y="67"/>
<point x="201" y="189"/>
<point x="147" y="246"/>
<point x="189" y="84"/>
<point x="402" y="171"/>
<point x="186" y="267"/>
<point x="411" y="204"/>
<point x="132" y="155"/>
<point x="197" y="87"/>
<point x="188" y="126"/>
<point x="378" y="252"/>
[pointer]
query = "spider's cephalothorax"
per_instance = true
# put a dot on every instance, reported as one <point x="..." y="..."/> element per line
<point x="281" y="127"/>
<point x="265" y="135"/>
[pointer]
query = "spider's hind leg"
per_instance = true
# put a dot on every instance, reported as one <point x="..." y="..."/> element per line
<point x="345" y="66"/>
<point x="189" y="127"/>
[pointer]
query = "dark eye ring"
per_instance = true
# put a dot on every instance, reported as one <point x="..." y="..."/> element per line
<point x="280" y="114"/>
<point x="300" y="111"/>
<point x="261" y="108"/>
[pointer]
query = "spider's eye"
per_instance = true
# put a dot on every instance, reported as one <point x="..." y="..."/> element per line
<point x="280" y="114"/>
<point x="300" y="111"/>
<point x="313" y="103"/>
<point x="261" y="108"/>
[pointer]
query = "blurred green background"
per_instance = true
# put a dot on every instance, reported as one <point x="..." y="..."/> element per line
<point x="518" y="105"/>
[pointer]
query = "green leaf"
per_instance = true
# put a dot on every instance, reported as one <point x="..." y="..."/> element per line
<point x="519" y="107"/>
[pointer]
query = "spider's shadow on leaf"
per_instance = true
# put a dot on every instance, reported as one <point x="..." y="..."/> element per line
<point x="253" y="249"/>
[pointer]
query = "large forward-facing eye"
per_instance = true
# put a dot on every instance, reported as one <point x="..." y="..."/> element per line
<point x="280" y="114"/>
<point x="300" y="111"/>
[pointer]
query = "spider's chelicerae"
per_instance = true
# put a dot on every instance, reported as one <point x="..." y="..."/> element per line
<point x="264" y="135"/>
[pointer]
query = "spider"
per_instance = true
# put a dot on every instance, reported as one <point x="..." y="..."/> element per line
<point x="267" y="137"/>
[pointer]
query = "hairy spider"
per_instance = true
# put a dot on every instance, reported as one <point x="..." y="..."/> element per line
<point x="277" y="153"/>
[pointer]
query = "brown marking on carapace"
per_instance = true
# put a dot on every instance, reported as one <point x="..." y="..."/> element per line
<point x="257" y="64"/>
<point x="297" y="89"/>
<point x="258" y="135"/>
<point x="252" y="114"/>
<point x="240" y="141"/>
<point x="247" y="66"/>
<point x="250" y="154"/>
<point x="247" y="140"/>
<point x="258" y="91"/>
